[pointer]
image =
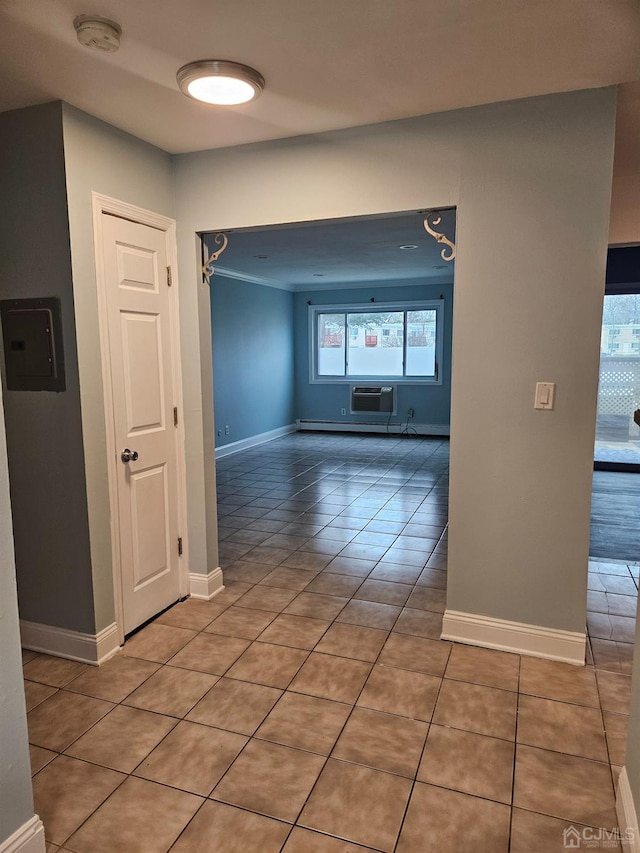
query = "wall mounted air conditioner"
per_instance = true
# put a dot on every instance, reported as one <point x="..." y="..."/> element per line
<point x="373" y="398"/>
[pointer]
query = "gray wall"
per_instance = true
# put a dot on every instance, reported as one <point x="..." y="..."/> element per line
<point x="16" y="801"/>
<point x="531" y="180"/>
<point x="44" y="435"/>
<point x="100" y="158"/>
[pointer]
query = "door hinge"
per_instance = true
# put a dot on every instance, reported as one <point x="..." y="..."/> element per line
<point x="179" y="546"/>
<point x="175" y="416"/>
<point x="169" y="282"/>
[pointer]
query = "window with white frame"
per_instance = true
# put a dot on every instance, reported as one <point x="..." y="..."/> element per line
<point x="376" y="341"/>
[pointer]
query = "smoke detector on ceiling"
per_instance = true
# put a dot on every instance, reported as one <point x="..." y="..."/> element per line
<point x="98" y="33"/>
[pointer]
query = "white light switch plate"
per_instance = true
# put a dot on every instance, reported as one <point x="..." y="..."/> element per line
<point x="545" y="395"/>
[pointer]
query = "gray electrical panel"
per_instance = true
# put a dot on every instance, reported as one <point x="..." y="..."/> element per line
<point x="32" y="338"/>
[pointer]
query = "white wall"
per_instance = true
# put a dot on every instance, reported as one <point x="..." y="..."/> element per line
<point x="531" y="180"/>
<point x="625" y="210"/>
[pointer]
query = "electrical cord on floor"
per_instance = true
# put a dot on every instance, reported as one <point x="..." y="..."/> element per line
<point x="407" y="429"/>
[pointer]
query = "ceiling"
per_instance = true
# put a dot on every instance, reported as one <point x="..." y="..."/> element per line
<point x="339" y="252"/>
<point x="328" y="65"/>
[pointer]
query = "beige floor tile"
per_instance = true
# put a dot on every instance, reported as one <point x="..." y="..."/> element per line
<point x="574" y="729"/>
<point x="139" y="816"/>
<point x="157" y="642"/>
<point x="39" y="757"/>
<point x="210" y="653"/>
<point x="171" y="691"/>
<point x="305" y="841"/>
<point x="193" y="758"/>
<point x="307" y="561"/>
<point x="67" y="791"/>
<point x="55" y="672"/>
<point x="353" y="641"/>
<point x="35" y="693"/>
<point x="419" y="623"/>
<point x="416" y="653"/>
<point x="475" y="708"/>
<point x="396" y="572"/>
<point x="122" y="739"/>
<point x="236" y="706"/>
<point x="232" y="592"/>
<point x="435" y="578"/>
<point x="219" y="828"/>
<point x="358" y="804"/>
<point x="427" y="598"/>
<point x="384" y="592"/>
<point x="399" y="691"/>
<point x="305" y="722"/>
<point x="268" y="664"/>
<point x="615" y="726"/>
<point x="484" y="666"/>
<point x="327" y="583"/>
<point x="59" y="720"/>
<point x="299" y="632"/>
<point x="192" y="614"/>
<point x="289" y="578"/>
<point x="242" y="570"/>
<point x="560" y="681"/>
<point x="28" y="655"/>
<point x="449" y="822"/>
<point x="316" y="605"/>
<point x="268" y="598"/>
<point x="533" y="832"/>
<point x="370" y="614"/>
<point x="270" y="779"/>
<point x="350" y="566"/>
<point x="383" y="741"/>
<point x="241" y="622"/>
<point x="330" y="677"/>
<point x="615" y="691"/>
<point x="471" y="763"/>
<point x="114" y="679"/>
<point x="564" y="786"/>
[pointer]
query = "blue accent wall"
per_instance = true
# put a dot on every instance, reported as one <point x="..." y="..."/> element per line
<point x="324" y="401"/>
<point x="252" y="337"/>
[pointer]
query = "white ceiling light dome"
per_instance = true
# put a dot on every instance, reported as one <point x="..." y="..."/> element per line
<point x="216" y="81"/>
<point x="98" y="33"/>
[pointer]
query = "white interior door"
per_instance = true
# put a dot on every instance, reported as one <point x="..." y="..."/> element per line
<point x="140" y="347"/>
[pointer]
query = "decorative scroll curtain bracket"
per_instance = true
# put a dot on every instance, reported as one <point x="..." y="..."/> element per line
<point x="429" y="227"/>
<point x="207" y="268"/>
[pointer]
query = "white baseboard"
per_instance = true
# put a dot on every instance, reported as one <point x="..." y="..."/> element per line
<point x="254" y="440"/>
<point x="627" y="815"/>
<point x="518" y="637"/>
<point x="29" y="838"/>
<point x="206" y="586"/>
<point x="394" y="428"/>
<point x="74" y="645"/>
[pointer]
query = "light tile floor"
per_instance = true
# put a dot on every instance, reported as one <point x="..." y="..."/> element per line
<point x="310" y="707"/>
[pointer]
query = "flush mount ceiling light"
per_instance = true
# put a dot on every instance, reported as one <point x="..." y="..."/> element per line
<point x="408" y="246"/>
<point x="220" y="82"/>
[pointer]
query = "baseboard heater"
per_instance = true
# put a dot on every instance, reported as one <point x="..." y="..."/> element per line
<point x="394" y="428"/>
<point x="373" y="398"/>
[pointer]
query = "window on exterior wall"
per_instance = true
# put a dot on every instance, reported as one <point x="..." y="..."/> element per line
<point x="399" y="342"/>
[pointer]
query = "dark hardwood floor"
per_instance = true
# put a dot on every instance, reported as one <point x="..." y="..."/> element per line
<point x="615" y="516"/>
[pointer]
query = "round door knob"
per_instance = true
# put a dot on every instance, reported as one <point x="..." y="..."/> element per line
<point x="129" y="455"/>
